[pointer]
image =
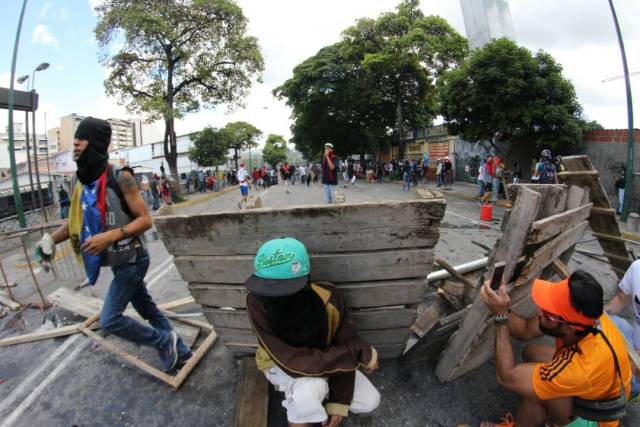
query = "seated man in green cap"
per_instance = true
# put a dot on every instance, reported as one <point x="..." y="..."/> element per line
<point x="308" y="346"/>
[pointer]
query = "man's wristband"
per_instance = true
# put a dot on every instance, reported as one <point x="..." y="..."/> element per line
<point x="123" y="233"/>
<point x="501" y="319"/>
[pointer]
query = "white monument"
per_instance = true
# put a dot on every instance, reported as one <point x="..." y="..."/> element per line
<point x="485" y="20"/>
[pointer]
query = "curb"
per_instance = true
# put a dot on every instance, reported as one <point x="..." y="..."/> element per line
<point x="204" y="198"/>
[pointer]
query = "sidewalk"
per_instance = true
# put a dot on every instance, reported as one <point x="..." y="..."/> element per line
<point x="197" y="197"/>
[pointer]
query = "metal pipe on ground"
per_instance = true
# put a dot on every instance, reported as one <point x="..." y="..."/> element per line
<point x="462" y="268"/>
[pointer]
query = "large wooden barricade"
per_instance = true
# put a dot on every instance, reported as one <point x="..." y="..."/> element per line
<point x="378" y="254"/>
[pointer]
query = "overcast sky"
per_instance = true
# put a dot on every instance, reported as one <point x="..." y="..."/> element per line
<point x="578" y="33"/>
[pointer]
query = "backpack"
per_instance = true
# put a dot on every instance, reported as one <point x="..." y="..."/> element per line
<point x="547" y="173"/>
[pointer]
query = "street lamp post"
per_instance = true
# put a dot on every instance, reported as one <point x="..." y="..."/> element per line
<point x="41" y="67"/>
<point x="12" y="155"/>
<point x="629" y="174"/>
<point x="27" y="143"/>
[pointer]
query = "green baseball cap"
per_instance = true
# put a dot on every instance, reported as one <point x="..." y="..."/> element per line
<point x="282" y="268"/>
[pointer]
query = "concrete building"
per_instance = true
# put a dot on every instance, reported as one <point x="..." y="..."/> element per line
<point x="145" y="132"/>
<point x="122" y="132"/>
<point x="53" y="135"/>
<point x="68" y="126"/>
<point x="20" y="146"/>
<point x="485" y="20"/>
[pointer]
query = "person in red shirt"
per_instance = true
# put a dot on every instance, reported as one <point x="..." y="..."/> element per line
<point x="255" y="176"/>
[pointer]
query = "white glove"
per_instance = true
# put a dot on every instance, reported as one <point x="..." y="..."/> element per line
<point x="46" y="248"/>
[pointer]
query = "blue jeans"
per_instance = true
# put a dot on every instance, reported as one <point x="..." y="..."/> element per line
<point x="329" y="193"/>
<point x="64" y="212"/>
<point x="128" y="286"/>
<point x="627" y="331"/>
<point x="156" y="201"/>
<point x="495" y="188"/>
<point x="405" y="181"/>
<point x="480" y="188"/>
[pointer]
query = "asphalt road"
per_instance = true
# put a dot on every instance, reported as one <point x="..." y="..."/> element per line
<point x="72" y="382"/>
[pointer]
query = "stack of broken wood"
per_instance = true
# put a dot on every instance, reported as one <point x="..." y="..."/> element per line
<point x="90" y="308"/>
<point x="538" y="238"/>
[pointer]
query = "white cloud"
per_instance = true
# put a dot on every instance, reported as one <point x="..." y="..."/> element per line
<point x="62" y="14"/>
<point x="42" y="35"/>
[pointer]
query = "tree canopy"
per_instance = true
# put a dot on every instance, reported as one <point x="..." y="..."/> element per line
<point x="176" y="58"/>
<point x="240" y="136"/>
<point x="275" y="150"/>
<point x="373" y="84"/>
<point x="507" y="92"/>
<point x="210" y="148"/>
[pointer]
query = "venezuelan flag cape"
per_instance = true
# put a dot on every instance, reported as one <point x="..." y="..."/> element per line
<point x="86" y="219"/>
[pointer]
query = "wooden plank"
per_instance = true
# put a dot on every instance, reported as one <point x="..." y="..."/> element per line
<point x="182" y="375"/>
<point x="602" y="221"/>
<point x="366" y="319"/>
<point x="134" y="360"/>
<point x="554" y="197"/>
<point x="429" y="314"/>
<point x="45" y="335"/>
<point x="545" y="255"/>
<point x="603" y="211"/>
<point x="88" y="306"/>
<point x="468" y="283"/>
<point x="322" y="228"/>
<point x="561" y="269"/>
<point x="252" y="396"/>
<point x="578" y="196"/>
<point x="4" y="299"/>
<point x="385" y="351"/>
<point x="578" y="174"/>
<point x="357" y="295"/>
<point x="335" y="268"/>
<point x="609" y="237"/>
<point x="546" y="228"/>
<point x="460" y="354"/>
<point x="375" y="338"/>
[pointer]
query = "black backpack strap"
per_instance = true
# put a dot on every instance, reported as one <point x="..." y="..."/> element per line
<point x="113" y="174"/>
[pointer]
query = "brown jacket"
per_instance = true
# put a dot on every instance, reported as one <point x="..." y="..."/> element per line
<point x="346" y="351"/>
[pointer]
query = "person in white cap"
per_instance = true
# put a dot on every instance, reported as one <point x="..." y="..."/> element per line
<point x="244" y="185"/>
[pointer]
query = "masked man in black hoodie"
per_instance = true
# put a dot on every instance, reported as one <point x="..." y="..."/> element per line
<point x="106" y="225"/>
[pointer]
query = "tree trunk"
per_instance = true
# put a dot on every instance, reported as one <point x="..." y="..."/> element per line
<point x="171" y="152"/>
<point x="399" y="122"/>
<point x="235" y="157"/>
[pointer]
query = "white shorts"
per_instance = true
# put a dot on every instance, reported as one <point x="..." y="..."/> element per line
<point x="303" y="396"/>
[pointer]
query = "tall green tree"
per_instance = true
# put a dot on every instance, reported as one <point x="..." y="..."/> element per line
<point x="240" y="136"/>
<point x="210" y="148"/>
<point x="378" y="80"/>
<point x="176" y="57"/>
<point x="404" y="52"/>
<point x="275" y="150"/>
<point x="504" y="91"/>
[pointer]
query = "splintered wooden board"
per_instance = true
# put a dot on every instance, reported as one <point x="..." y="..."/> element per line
<point x="87" y="306"/>
<point x="462" y="353"/>
<point x="330" y="229"/>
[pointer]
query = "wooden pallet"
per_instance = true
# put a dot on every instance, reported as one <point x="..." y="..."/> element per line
<point x="544" y="225"/>
<point x="377" y="254"/>
<point x="580" y="172"/>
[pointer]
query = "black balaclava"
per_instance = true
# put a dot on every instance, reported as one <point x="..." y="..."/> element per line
<point x="94" y="159"/>
<point x="299" y="319"/>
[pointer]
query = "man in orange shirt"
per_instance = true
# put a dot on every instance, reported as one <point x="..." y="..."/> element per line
<point x="582" y="364"/>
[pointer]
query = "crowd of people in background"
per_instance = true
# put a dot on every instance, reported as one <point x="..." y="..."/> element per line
<point x="160" y="188"/>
